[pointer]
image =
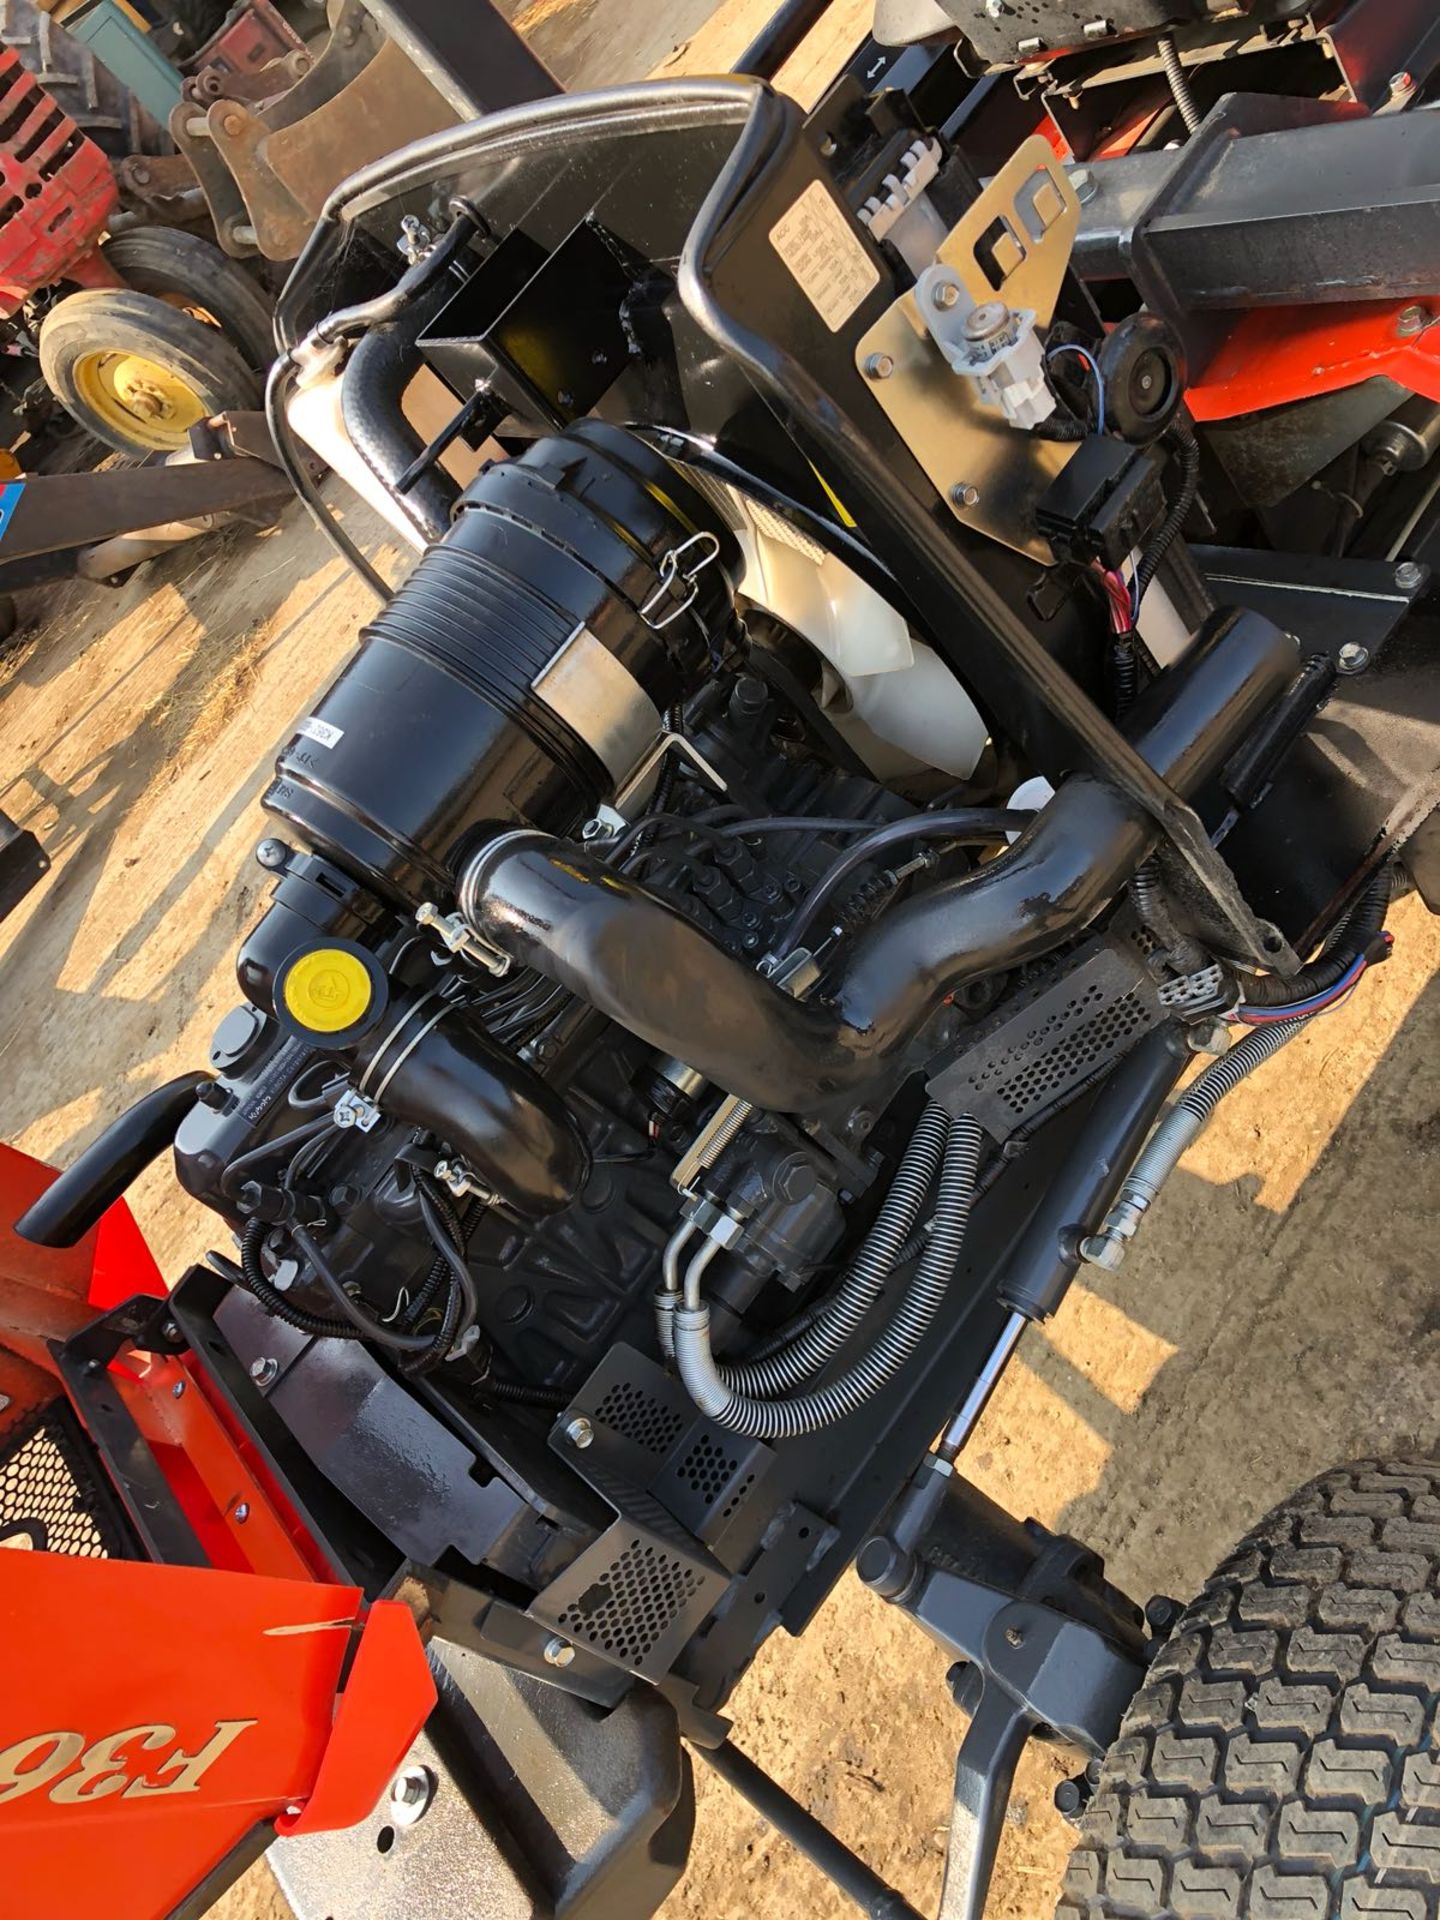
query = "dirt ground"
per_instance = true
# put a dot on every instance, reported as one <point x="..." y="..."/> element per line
<point x="1279" y="1315"/>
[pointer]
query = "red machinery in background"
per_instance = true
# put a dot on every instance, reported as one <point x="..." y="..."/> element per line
<point x="57" y="193"/>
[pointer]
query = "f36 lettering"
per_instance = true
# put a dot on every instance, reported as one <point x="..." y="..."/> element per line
<point x="76" y="1773"/>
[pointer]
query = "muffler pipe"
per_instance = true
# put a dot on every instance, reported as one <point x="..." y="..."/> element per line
<point x="560" y="910"/>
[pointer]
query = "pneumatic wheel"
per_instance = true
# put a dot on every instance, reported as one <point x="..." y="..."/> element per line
<point x="188" y="272"/>
<point x="1282" y="1761"/>
<point x="137" y="373"/>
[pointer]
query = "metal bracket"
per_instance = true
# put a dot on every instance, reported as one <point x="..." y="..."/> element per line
<point x="1043" y="1641"/>
<point x="680" y="571"/>
<point x="143" y="1323"/>
<point x="1013" y="244"/>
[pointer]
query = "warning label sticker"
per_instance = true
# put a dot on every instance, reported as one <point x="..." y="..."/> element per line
<point x="819" y="247"/>
<point x="321" y="731"/>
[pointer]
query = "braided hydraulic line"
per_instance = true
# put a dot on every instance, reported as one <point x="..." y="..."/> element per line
<point x="1173" y="1137"/>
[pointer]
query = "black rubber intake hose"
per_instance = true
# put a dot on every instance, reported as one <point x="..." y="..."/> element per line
<point x="1362" y="935"/>
<point x="371" y="392"/>
<point x="67" y="1209"/>
<point x="555" y="908"/>
<point x="431" y="1066"/>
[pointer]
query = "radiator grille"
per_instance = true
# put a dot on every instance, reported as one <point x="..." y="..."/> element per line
<point x="52" y="1499"/>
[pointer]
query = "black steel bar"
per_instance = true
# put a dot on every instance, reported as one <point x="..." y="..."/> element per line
<point x="55" y="511"/>
<point x="143" y="1323"/>
<point x="834" y="1859"/>
<point x="479" y="403"/>
<point x="758" y="173"/>
<point x="1277" y="203"/>
<point x="470" y="54"/>
<point x="782" y="33"/>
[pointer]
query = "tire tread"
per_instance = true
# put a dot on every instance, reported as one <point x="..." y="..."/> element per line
<point x="1282" y="1761"/>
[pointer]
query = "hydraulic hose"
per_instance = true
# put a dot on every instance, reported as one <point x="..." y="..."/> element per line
<point x="814" y="1347"/>
<point x="1361" y="934"/>
<point x="372" y="389"/>
<point x="1175" y="1134"/>
<point x="893" y="1347"/>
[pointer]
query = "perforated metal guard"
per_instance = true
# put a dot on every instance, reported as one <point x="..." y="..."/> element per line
<point x="1046" y="1043"/>
<point x="52" y="1498"/>
<point x="640" y="1591"/>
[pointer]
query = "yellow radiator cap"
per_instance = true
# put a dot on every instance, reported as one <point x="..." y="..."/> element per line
<point x="327" y="990"/>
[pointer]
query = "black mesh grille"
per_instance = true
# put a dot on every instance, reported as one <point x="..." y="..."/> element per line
<point x="639" y="1418"/>
<point x="632" y="1603"/>
<point x="706" y="1468"/>
<point x="52" y="1496"/>
<point x="1047" y="1042"/>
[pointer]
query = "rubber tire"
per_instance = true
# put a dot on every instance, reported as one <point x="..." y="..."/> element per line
<point x="139" y="323"/>
<point x="165" y="260"/>
<point x="100" y="105"/>
<point x="1280" y="1762"/>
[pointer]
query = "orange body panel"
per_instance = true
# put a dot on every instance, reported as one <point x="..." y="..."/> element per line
<point x="153" y="1717"/>
<point x="1282" y="354"/>
<point x="127" y="1672"/>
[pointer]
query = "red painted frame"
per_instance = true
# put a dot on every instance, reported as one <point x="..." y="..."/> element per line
<point x="142" y="1664"/>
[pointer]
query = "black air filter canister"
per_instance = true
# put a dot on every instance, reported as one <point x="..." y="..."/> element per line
<point x="521" y="673"/>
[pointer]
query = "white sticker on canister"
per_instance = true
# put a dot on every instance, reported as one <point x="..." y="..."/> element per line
<point x="321" y="731"/>
<point x="822" y="250"/>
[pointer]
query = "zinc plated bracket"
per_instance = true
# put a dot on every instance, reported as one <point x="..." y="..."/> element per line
<point x="1013" y="244"/>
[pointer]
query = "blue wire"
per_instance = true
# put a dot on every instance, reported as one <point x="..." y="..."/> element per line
<point x="1317" y="1002"/>
<point x="1094" y="366"/>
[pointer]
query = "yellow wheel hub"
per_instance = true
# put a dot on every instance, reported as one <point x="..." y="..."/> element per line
<point x="153" y="406"/>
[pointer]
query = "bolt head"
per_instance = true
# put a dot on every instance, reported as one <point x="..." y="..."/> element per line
<point x="579" y="1432"/>
<point x="272" y="854"/>
<point x="1409" y="577"/>
<point x="962" y="494"/>
<point x="879" y="366"/>
<point x="1208" y="1036"/>
<point x="1353" y="658"/>
<point x="1085" y="184"/>
<point x="1014" y="1636"/>
<point x="945" y="295"/>
<point x="1412" y="321"/>
<point x="987" y="320"/>
<point x="558" y="1652"/>
<point x="177" y="1392"/>
<point x="411" y="1793"/>
<point x="1069" y="1799"/>
<point x="265" y="1371"/>
<point x="242" y="1513"/>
